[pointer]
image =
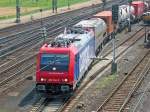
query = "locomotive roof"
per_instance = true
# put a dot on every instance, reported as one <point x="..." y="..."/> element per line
<point x="79" y="39"/>
<point x="74" y="37"/>
<point x="90" y="22"/>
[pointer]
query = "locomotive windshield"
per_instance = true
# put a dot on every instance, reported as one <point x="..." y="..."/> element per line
<point x="54" y="62"/>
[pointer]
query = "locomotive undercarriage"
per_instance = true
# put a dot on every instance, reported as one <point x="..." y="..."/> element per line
<point x="54" y="88"/>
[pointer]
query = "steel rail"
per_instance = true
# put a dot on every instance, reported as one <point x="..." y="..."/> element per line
<point x="13" y="48"/>
<point x="52" y="104"/>
<point x="132" y="41"/>
<point x="58" y="27"/>
<point x="119" y="93"/>
<point x="142" y="96"/>
<point x="2" y="51"/>
<point x="4" y="39"/>
<point x="3" y="82"/>
<point x="36" y="23"/>
<point x="136" y="85"/>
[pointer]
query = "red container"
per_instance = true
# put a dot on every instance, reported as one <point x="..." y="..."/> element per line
<point x="139" y="8"/>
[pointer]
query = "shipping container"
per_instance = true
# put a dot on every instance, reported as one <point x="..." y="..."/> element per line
<point x="107" y="17"/>
<point x="138" y="7"/>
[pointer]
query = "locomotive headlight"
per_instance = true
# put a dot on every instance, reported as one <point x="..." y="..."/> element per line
<point x="42" y="79"/>
<point x="65" y="80"/>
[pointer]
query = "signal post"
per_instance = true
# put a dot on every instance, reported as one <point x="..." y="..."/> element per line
<point x="115" y="11"/>
<point x="17" y="11"/>
<point x="129" y="27"/>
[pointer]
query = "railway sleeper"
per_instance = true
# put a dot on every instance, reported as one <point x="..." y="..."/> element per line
<point x="118" y="101"/>
<point x="114" y="101"/>
<point x="110" y="110"/>
<point x="113" y="107"/>
<point x="127" y="84"/>
<point x="131" y="83"/>
<point x="120" y="94"/>
<point x="125" y="88"/>
<point x="116" y="104"/>
<point x="118" y="98"/>
<point x="123" y="92"/>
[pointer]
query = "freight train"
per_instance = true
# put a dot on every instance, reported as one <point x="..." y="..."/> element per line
<point x="62" y="63"/>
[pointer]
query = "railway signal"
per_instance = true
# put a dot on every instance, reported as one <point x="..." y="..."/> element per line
<point x="44" y="34"/>
<point x="114" y="64"/>
<point x="41" y="18"/>
<point x="17" y="11"/>
<point x="115" y="12"/>
<point x="129" y="27"/>
<point x="115" y="16"/>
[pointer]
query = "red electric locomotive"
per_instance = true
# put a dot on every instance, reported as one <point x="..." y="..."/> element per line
<point x="62" y="63"/>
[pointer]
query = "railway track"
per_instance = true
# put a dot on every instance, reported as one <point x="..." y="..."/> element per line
<point x="141" y="98"/>
<point x="34" y="38"/>
<point x="15" y="44"/>
<point x="36" y="23"/>
<point x="15" y="73"/>
<point x="17" y="78"/>
<point x="66" y="107"/>
<point x="20" y="63"/>
<point x="11" y="42"/>
<point x="6" y="83"/>
<point x="129" y="43"/>
<point x="12" y="79"/>
<point x="51" y="104"/>
<point x="120" y="96"/>
<point x="10" y="68"/>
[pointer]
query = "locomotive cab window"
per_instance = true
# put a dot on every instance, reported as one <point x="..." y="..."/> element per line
<point x="54" y="62"/>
